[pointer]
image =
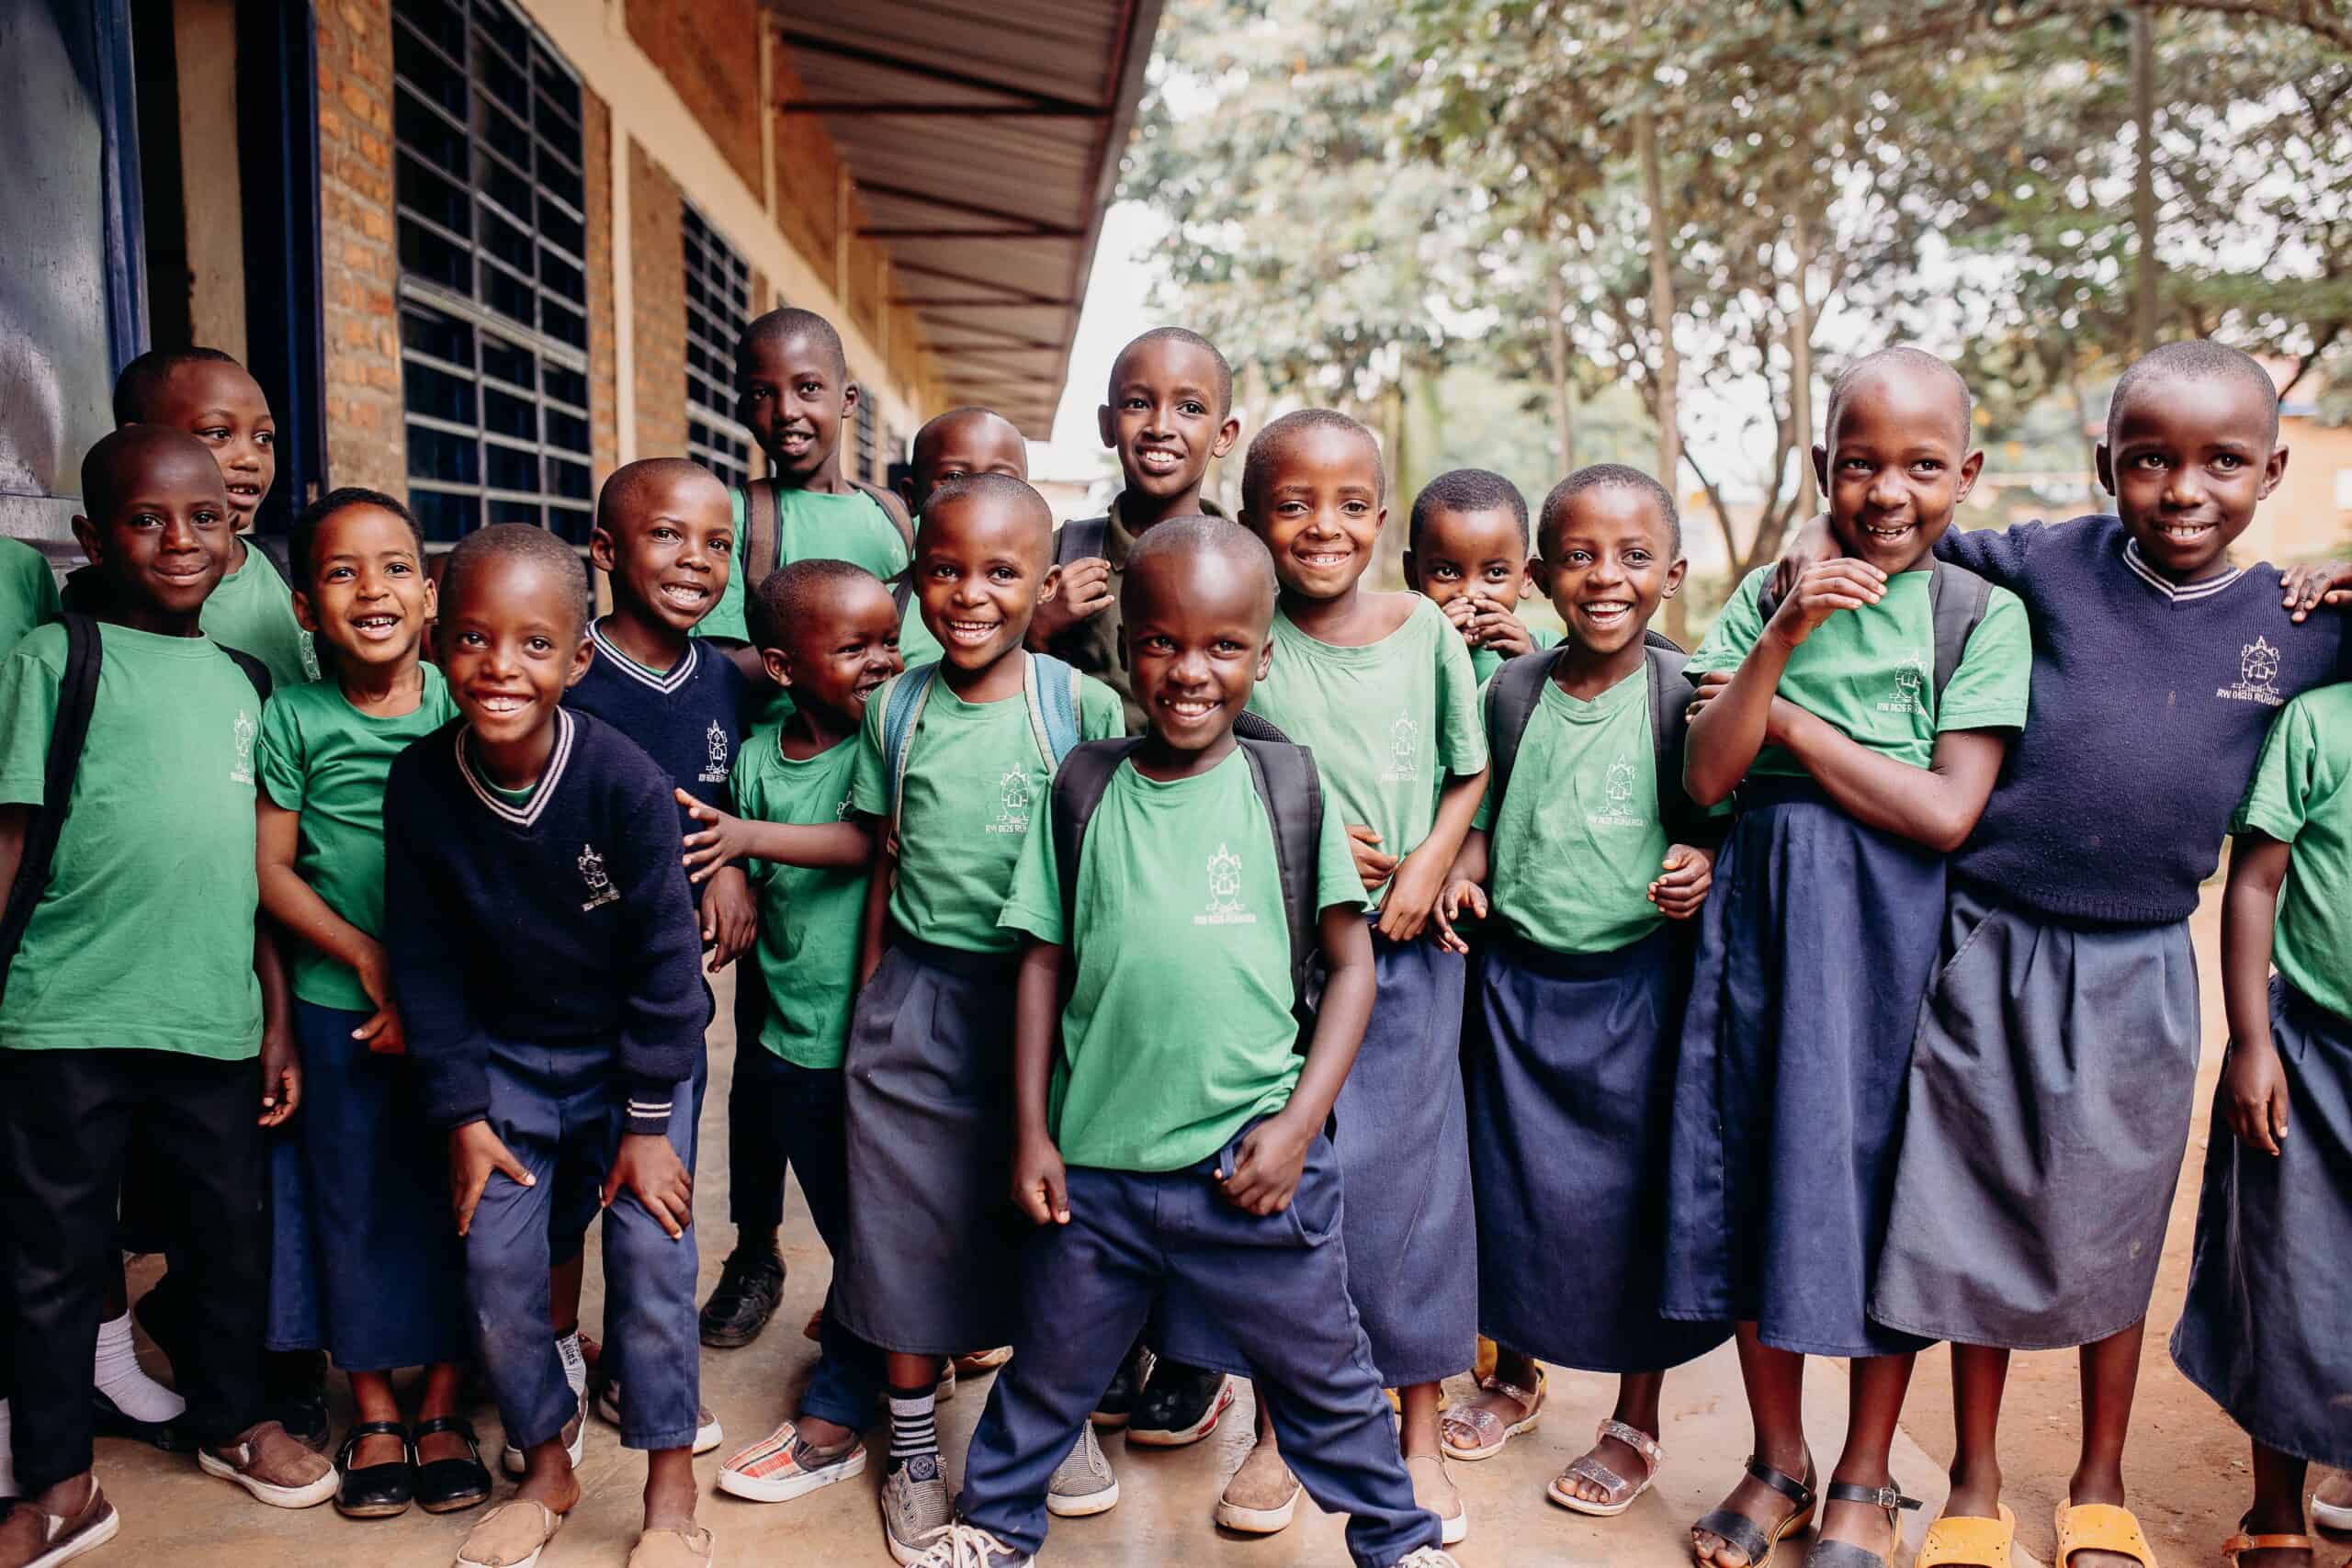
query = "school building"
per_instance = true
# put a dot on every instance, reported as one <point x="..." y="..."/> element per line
<point x="481" y="252"/>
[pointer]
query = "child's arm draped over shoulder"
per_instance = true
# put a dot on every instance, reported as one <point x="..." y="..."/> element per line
<point x="1265" y="1174"/>
<point x="1040" y="1185"/>
<point x="2252" y="1078"/>
<point x="1998" y="555"/>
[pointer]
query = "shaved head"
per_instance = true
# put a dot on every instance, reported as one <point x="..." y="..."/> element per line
<point x="637" y="488"/>
<point x="1191" y="340"/>
<point x="997" y="494"/>
<point x="1273" y="442"/>
<point x="800" y="595"/>
<point x="1905" y="361"/>
<point x="1170" y="543"/>
<point x="140" y="385"/>
<point x="792" y="324"/>
<point x="1604" y="476"/>
<point x="973" y="421"/>
<point x="124" y="460"/>
<point x="2194" y="359"/>
<point x="515" y="542"/>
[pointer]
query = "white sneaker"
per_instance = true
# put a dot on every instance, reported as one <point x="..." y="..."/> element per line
<point x="966" y="1546"/>
<point x="1427" y="1557"/>
<point x="1082" y="1483"/>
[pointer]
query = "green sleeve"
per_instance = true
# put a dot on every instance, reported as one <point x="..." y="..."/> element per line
<point x="1462" y="739"/>
<point x="1034" y="903"/>
<point x="1988" y="691"/>
<point x="1484" y="821"/>
<point x="1736" y="629"/>
<point x="1337" y="885"/>
<point x="1100" y="714"/>
<point x="280" y="753"/>
<point x="28" y="708"/>
<point x="869" y="781"/>
<point x="2277" y="800"/>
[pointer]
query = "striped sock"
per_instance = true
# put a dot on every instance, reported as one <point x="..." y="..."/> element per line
<point x="575" y="1363"/>
<point x="914" y="1427"/>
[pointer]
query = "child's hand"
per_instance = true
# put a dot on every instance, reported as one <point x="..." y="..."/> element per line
<point x="475" y="1151"/>
<point x="1412" y="895"/>
<point x="1812" y="541"/>
<point x="1710" y="686"/>
<point x="1373" y="867"/>
<point x="382" y="1033"/>
<point x="730" y="918"/>
<point x="1497" y="629"/>
<point x="1083" y="593"/>
<point x="650" y="1168"/>
<point x="2316" y="583"/>
<point x="1040" y="1185"/>
<point x="281" y="1077"/>
<point x="375" y="972"/>
<point x="2256" y="1087"/>
<point x="719" y="841"/>
<point x="1459" y="894"/>
<point x="1826" y="587"/>
<point x="1265" y="1177"/>
<point x="1688" y="874"/>
<point x="1460" y="611"/>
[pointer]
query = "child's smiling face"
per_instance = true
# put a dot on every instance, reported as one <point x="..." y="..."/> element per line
<point x="512" y="638"/>
<point x="1166" y="416"/>
<point x="158" y="524"/>
<point x="1483" y="551"/>
<point x="2188" y="460"/>
<point x="794" y="392"/>
<point x="1896" y="465"/>
<point x="1195" y="628"/>
<point x="981" y="565"/>
<point x="1607" y="564"/>
<point x="368" y="594"/>
<point x="667" y="547"/>
<point x="220" y="404"/>
<point x="1319" y="510"/>
<point x="839" y="653"/>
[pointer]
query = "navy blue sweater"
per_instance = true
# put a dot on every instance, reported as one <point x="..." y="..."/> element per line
<point x="2150" y="702"/>
<point x="688" y="719"/>
<point x="561" y="921"/>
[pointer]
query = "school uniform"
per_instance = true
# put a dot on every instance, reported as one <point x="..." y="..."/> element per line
<point x="133" y="1016"/>
<point x="2053" y="1078"/>
<point x="547" y="967"/>
<point x="790" y="1060"/>
<point x="389" y="1266"/>
<point x="851" y="526"/>
<point x="1389" y="724"/>
<point x="1092" y="645"/>
<point x="2262" y="1329"/>
<point x="1814" y="947"/>
<point x="27" y="592"/>
<point x="927" y="1094"/>
<point x="1575" y="1011"/>
<point x="1484" y="662"/>
<point x="1176" y="1038"/>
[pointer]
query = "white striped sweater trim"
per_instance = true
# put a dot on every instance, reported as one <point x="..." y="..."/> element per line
<point x="2179" y="592"/>
<point x="527" y="813"/>
<point x="663" y="681"/>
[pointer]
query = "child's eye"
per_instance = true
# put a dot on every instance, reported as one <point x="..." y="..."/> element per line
<point x="1929" y="466"/>
<point x="665" y="533"/>
<point x="2229" y="462"/>
<point x="1579" y="558"/>
<point x="265" y="438"/>
<point x="809" y="389"/>
<point x="1191" y="409"/>
<point x="538" y="645"/>
<point x="213" y="432"/>
<point x="336" y="573"/>
<point x="1355" y="508"/>
<point x="1637" y="557"/>
<point x="204" y="518"/>
<point x="1135" y="403"/>
<point x="1003" y="573"/>
<point x="469" y="639"/>
<point x="760" y="394"/>
<point x="399" y="569"/>
<point x="2148" y="460"/>
<point x="1445" y="573"/>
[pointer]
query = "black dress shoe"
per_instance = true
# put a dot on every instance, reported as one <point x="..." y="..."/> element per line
<point x="1118" y="1402"/>
<point x="109" y="1419"/>
<point x="376" y="1491"/>
<point x="448" y="1485"/>
<point x="749" y="1284"/>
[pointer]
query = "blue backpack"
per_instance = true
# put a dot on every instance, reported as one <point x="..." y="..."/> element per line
<point x="1048" y="686"/>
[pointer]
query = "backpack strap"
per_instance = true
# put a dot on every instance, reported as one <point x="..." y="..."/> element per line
<point x="893" y="507"/>
<point x="1511" y="694"/>
<point x="68" y="732"/>
<point x="276" y="549"/>
<point x="1051" y="690"/>
<point x="1076" y="791"/>
<point x="1957" y="600"/>
<point x="1669" y="737"/>
<point x="1291" y="792"/>
<point x="1082" y="538"/>
<point x="255" y="671"/>
<point x="900" y="714"/>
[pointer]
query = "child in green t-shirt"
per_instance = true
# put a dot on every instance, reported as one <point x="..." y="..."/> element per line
<point x="1379" y="686"/>
<point x="27" y="591"/>
<point x="133" y="1012"/>
<point x="1172" y="1131"/>
<point x="389" y="1271"/>
<point x="1467" y="553"/>
<point x="952" y="759"/>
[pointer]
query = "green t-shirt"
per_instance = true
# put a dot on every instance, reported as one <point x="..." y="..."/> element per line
<point x="1179" y="1027"/>
<point x="252" y="610"/>
<point x="1580" y="840"/>
<point x="1388" y="723"/>
<point x="27" y="592"/>
<point x="143" y="938"/>
<point x="325" y="760"/>
<point x="2302" y="796"/>
<point x="850" y="527"/>
<point x="808" y="918"/>
<point x="973" y="773"/>
<point x="1871" y="671"/>
<point x="1484" y="662"/>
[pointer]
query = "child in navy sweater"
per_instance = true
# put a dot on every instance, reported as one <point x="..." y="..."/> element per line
<point x="545" y="959"/>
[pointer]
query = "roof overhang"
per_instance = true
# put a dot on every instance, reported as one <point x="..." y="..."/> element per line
<point x="983" y="141"/>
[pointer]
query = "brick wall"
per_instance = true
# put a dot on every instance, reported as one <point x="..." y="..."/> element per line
<point x="710" y="49"/>
<point x="360" y="266"/>
<point x="658" y="291"/>
<point x="603" y="398"/>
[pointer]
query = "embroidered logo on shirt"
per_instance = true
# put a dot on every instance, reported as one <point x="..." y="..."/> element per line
<point x="1013" y="803"/>
<point x="1224" y="892"/>
<point x="600" y="882"/>
<point x="242" y="733"/>
<point x="1404" y="750"/>
<point x="2257" y="676"/>
<point x="716" y="739"/>
<point x="1617" y="790"/>
<point x="1910" y="686"/>
<point x="845" y="811"/>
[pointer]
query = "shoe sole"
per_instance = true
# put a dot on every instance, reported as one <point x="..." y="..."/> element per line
<point x="1473" y="1456"/>
<point x="511" y="1459"/>
<point x="1080" y="1507"/>
<point x="2332" y="1516"/>
<point x="1153" y="1438"/>
<point x="733" y="1338"/>
<point x="1456" y="1531"/>
<point x="90" y="1539"/>
<point x="1258" y="1521"/>
<point x="309" y="1497"/>
<point x="1111" y="1420"/>
<point x="457" y="1504"/>
<point x="373" y="1510"/>
<point x="757" y="1489"/>
<point x="903" y="1554"/>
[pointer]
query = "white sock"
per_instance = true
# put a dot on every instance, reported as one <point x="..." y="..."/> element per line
<point x="118" y="1377"/>
<point x="7" y="1456"/>
<point x="575" y="1365"/>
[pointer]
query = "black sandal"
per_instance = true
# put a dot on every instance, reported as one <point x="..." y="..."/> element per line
<point x="1844" y="1553"/>
<point x="449" y="1485"/>
<point x="1741" y="1533"/>
<point x="376" y="1491"/>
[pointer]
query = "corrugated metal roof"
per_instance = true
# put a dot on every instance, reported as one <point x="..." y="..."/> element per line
<point x="984" y="138"/>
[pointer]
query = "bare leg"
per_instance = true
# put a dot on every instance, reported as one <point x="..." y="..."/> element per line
<point x="1775" y="1384"/>
<point x="1980" y="1373"/>
<point x="547" y="1479"/>
<point x="443" y="1384"/>
<point x="1874" y="1404"/>
<point x="2277" y="1508"/>
<point x="564" y="1295"/>
<point x="1416" y="1436"/>
<point x="1637" y="1401"/>
<point x="2111" y="1378"/>
<point x="670" y="1489"/>
<point x="372" y="1395"/>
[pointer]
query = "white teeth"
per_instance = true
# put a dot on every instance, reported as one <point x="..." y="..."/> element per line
<point x="1160" y="461"/>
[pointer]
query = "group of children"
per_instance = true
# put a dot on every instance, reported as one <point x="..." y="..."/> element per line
<point x="1152" y="977"/>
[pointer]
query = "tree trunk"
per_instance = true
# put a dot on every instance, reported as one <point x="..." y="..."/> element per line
<point x="2144" y="176"/>
<point x="1564" y="407"/>
<point x="2090" y="442"/>
<point x="1668" y="368"/>
<point x="1801" y="367"/>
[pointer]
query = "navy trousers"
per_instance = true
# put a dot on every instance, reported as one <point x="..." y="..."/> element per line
<point x="1280" y="1284"/>
<point x="559" y="1109"/>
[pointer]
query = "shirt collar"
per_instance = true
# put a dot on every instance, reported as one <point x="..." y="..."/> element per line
<point x="2179" y="592"/>
<point x="665" y="682"/>
<point x="527" y="813"/>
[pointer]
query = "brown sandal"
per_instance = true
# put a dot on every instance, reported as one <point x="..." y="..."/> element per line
<point x="2242" y="1542"/>
<point x="1473" y="1432"/>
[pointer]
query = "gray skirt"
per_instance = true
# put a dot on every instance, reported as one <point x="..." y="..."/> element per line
<point x="927" y="1256"/>
<point x="2051" y="1085"/>
<point x="2266" y="1329"/>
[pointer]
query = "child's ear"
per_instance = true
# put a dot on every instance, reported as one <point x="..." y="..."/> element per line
<point x="1265" y="657"/>
<point x="1126" y="661"/>
<point x="1539" y="578"/>
<point x="602" y="551"/>
<point x="906" y="489"/>
<point x="1412" y="572"/>
<point x="2104" y="461"/>
<point x="85" y="534"/>
<point x="1226" y="434"/>
<point x="849" y="396"/>
<point x="1821" y="473"/>
<point x="431" y="600"/>
<point x="1527" y="581"/>
<point x="1106" y="425"/>
<point x="778" y="664"/>
<point x="581" y="659"/>
<point x="304" y="616"/>
<point x="1052" y="585"/>
<point x="1674" y="576"/>
<point x="2272" y="472"/>
<point x="1970" y="466"/>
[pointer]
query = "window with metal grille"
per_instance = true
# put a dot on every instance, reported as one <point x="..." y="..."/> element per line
<point x="719" y="303"/>
<point x="866" y="445"/>
<point x="493" y="282"/>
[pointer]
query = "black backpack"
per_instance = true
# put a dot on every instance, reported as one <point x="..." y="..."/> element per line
<point x="77" y="697"/>
<point x="1513" y="690"/>
<point x="1957" y="600"/>
<point x="1290" y="789"/>
<point x="763" y="540"/>
<point x="1082" y="538"/>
